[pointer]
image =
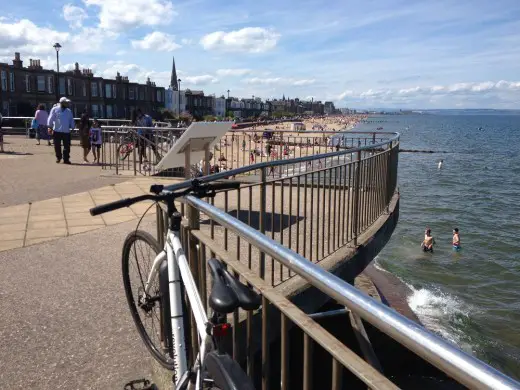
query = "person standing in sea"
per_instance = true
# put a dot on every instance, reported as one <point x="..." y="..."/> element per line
<point x="41" y="116"/>
<point x="60" y="122"/>
<point x="456" y="239"/>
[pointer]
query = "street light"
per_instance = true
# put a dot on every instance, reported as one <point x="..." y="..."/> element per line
<point x="228" y="93"/>
<point x="179" y="97"/>
<point x="57" y="47"/>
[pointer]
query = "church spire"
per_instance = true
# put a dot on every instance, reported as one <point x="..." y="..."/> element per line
<point x="173" y="82"/>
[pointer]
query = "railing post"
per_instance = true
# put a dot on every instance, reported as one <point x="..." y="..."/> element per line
<point x="389" y="169"/>
<point x="263" y="177"/>
<point x="160" y="224"/>
<point x="116" y="153"/>
<point x="193" y="215"/>
<point x="355" y="217"/>
<point x="135" y="161"/>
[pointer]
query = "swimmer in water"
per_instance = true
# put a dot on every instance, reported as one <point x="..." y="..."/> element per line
<point x="440" y="164"/>
<point x="427" y="244"/>
<point x="456" y="239"/>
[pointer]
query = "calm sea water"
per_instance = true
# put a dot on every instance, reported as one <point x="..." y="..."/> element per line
<point x="471" y="297"/>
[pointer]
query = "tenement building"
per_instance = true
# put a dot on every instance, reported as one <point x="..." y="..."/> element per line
<point x="23" y="88"/>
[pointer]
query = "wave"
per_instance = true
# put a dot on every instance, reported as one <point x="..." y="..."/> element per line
<point x="442" y="313"/>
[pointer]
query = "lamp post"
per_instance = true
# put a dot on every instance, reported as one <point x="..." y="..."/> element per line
<point x="179" y="97"/>
<point x="57" y="47"/>
<point x="228" y="93"/>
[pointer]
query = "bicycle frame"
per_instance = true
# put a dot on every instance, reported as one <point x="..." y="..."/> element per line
<point x="179" y="270"/>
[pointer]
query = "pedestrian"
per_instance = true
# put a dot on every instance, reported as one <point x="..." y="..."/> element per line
<point x="60" y="122"/>
<point x="84" y="135"/>
<point x="40" y="120"/>
<point x="146" y="121"/>
<point x="96" y="140"/>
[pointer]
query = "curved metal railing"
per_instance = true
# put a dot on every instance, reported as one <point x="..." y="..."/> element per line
<point x="270" y="230"/>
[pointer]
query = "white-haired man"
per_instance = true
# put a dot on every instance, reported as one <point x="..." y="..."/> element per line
<point x="60" y="122"/>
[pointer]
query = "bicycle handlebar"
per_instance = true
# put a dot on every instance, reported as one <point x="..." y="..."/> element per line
<point x="119" y="204"/>
<point x="198" y="189"/>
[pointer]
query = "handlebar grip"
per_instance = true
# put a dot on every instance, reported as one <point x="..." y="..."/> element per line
<point x="118" y="204"/>
<point x="225" y="185"/>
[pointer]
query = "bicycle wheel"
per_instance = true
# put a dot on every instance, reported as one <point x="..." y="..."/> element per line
<point x="139" y="252"/>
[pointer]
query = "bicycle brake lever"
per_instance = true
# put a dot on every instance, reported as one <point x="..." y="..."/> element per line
<point x="156" y="188"/>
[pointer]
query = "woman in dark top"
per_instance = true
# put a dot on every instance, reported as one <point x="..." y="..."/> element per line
<point x="84" y="133"/>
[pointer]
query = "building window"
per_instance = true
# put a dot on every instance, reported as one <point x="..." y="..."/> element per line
<point x="108" y="90"/>
<point x="114" y="111"/>
<point x="141" y="93"/>
<point x="84" y="88"/>
<point x="114" y="90"/>
<point x="27" y="83"/>
<point x="95" y="112"/>
<point x="124" y="93"/>
<point x="50" y="84"/>
<point x="69" y="87"/>
<point x="93" y="87"/>
<point x="62" y="86"/>
<point x="159" y="95"/>
<point x="101" y="110"/>
<point x="131" y="93"/>
<point x="4" y="80"/>
<point x="11" y="81"/>
<point x="41" y="83"/>
<point x="100" y="90"/>
<point x="109" y="111"/>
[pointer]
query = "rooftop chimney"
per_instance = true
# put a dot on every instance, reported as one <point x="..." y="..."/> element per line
<point x="17" y="62"/>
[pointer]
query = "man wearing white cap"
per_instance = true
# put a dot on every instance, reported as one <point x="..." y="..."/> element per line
<point x="60" y="122"/>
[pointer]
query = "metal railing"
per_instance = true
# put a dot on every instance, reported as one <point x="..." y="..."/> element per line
<point x="315" y="204"/>
<point x="21" y="125"/>
<point x="274" y="229"/>
<point x="462" y="367"/>
<point x="136" y="150"/>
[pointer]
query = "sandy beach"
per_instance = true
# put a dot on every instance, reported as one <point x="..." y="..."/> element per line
<point x="247" y="146"/>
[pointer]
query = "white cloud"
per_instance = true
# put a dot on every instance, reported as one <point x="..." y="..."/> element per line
<point x="74" y="15"/>
<point x="115" y="16"/>
<point x="26" y="37"/>
<point x="249" y="39"/>
<point x="304" y="82"/>
<point x="233" y="72"/>
<point x="278" y="81"/>
<point x="200" y="80"/>
<point x="438" y="91"/>
<point x="121" y="52"/>
<point x="157" y="41"/>
<point x="186" y="41"/>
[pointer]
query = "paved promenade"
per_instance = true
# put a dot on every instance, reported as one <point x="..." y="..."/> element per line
<point x="65" y="322"/>
<point x="29" y="172"/>
<point x="29" y="224"/>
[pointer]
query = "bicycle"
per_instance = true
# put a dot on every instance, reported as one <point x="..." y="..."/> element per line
<point x="164" y="286"/>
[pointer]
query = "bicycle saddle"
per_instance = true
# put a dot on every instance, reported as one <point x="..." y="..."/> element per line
<point x="227" y="292"/>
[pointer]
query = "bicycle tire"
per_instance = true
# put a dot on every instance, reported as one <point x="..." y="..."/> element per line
<point x="167" y="358"/>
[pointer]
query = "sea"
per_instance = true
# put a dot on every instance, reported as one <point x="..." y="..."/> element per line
<point x="470" y="297"/>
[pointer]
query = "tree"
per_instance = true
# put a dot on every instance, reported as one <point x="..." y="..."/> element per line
<point x="230" y="114"/>
<point x="209" y="118"/>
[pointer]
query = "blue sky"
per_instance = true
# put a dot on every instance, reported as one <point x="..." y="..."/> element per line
<point x="392" y="53"/>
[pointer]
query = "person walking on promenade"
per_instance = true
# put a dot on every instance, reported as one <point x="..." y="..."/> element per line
<point x="96" y="140"/>
<point x="84" y="136"/>
<point x="40" y="118"/>
<point x="60" y="123"/>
